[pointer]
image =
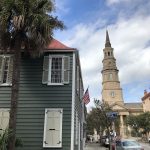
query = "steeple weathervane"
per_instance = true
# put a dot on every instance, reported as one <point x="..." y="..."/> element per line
<point x="107" y="44"/>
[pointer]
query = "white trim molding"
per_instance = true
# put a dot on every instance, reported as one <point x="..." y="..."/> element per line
<point x="73" y="102"/>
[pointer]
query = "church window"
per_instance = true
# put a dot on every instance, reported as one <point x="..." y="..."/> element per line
<point x="108" y="53"/>
<point x="110" y="77"/>
<point x="112" y="93"/>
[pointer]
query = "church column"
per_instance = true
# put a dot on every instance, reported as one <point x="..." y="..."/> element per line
<point x="122" y="126"/>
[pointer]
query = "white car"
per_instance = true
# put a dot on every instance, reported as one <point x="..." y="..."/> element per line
<point x="128" y="144"/>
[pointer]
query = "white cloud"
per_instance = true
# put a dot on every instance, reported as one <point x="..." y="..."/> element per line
<point x="61" y="7"/>
<point x="110" y="2"/>
<point x="129" y="42"/>
<point x="129" y="38"/>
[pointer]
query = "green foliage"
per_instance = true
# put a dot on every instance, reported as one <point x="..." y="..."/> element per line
<point x="133" y="121"/>
<point x="144" y="121"/>
<point x="31" y="20"/>
<point x="97" y="118"/>
<point x="28" y="26"/>
<point x="4" y="137"/>
<point x="139" y="122"/>
<point x="90" y="124"/>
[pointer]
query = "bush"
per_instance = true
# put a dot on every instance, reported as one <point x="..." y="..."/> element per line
<point x="4" y="137"/>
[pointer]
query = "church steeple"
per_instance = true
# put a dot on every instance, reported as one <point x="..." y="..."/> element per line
<point x="107" y="43"/>
<point x="111" y="89"/>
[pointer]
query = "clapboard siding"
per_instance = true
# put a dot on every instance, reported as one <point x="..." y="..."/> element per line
<point x="34" y="97"/>
<point x="5" y="95"/>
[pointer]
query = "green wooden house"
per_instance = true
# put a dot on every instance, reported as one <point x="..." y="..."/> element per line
<point x="50" y="112"/>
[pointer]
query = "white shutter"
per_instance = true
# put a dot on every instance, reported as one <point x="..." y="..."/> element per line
<point x="66" y="61"/>
<point x="4" y="119"/>
<point x="10" y="70"/>
<point x="53" y="128"/>
<point x="45" y="70"/>
<point x="1" y="68"/>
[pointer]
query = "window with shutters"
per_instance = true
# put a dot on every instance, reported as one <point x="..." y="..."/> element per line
<point x="4" y="119"/>
<point x="6" y="68"/>
<point x="53" y="128"/>
<point x="56" y="70"/>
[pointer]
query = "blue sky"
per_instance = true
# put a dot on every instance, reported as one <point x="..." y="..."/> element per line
<point x="128" y="24"/>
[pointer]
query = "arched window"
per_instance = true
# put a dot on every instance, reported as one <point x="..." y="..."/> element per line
<point x="110" y="77"/>
<point x="112" y="94"/>
<point x="108" y="53"/>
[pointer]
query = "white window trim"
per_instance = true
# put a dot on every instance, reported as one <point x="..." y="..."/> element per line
<point x="5" y="109"/>
<point x="45" y="123"/>
<point x="73" y="103"/>
<point x="49" y="69"/>
<point x="6" y="84"/>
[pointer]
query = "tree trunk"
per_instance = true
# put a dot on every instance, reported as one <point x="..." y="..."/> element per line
<point x="14" y="93"/>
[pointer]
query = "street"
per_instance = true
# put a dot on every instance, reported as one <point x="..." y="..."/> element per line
<point x="96" y="146"/>
<point x="146" y="146"/>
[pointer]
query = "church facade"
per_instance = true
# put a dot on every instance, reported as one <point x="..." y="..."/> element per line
<point x="112" y="92"/>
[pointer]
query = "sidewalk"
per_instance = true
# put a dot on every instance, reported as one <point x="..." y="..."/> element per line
<point x="94" y="146"/>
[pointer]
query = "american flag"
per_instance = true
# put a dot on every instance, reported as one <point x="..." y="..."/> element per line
<point x="86" y="97"/>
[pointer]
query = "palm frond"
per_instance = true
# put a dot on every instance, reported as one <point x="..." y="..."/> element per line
<point x="31" y="20"/>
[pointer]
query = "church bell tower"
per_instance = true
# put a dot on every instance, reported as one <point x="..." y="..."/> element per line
<point x="111" y="90"/>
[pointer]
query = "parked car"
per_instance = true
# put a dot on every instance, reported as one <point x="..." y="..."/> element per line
<point x="104" y="140"/>
<point x="128" y="144"/>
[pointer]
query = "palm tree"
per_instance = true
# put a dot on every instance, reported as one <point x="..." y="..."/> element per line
<point x="25" y="25"/>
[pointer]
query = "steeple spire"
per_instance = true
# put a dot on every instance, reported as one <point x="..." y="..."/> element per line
<point x="107" y="44"/>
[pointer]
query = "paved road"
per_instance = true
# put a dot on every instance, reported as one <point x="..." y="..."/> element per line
<point x="146" y="146"/>
<point x="96" y="146"/>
